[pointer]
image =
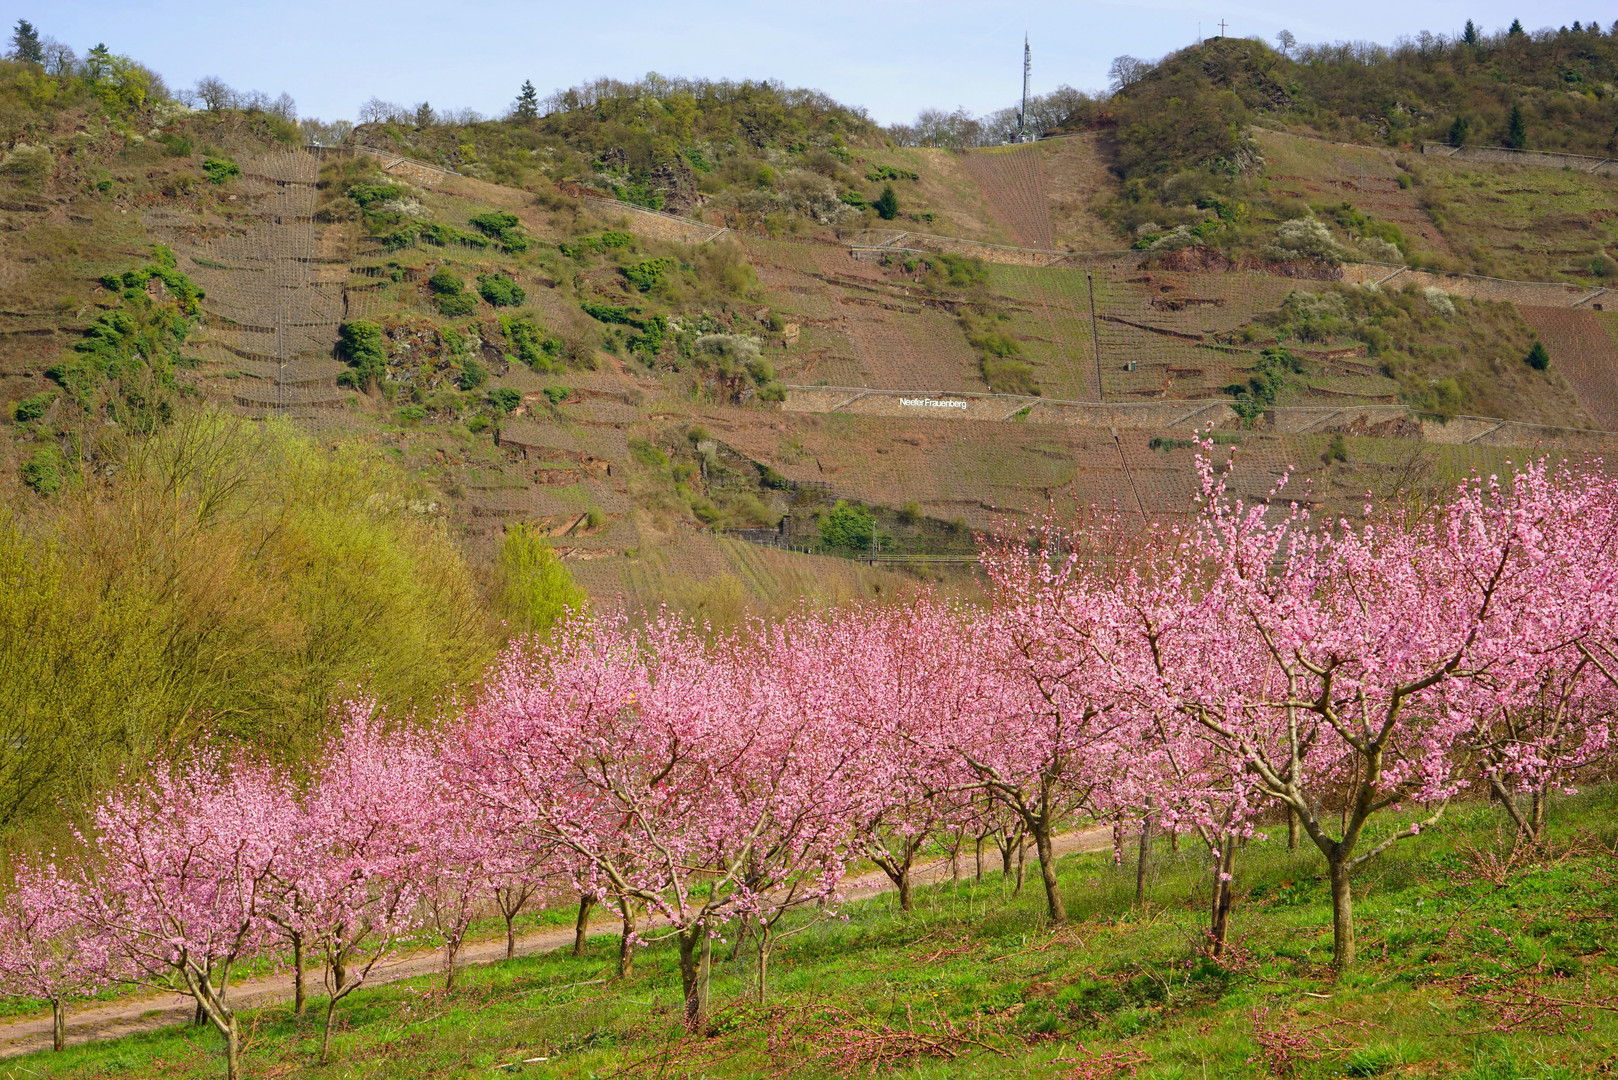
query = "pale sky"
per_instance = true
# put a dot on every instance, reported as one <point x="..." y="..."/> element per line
<point x="892" y="58"/>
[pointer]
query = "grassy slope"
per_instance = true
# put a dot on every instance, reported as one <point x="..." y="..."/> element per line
<point x="1460" y="976"/>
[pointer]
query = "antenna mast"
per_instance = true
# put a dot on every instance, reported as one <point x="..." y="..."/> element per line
<point x="1027" y="69"/>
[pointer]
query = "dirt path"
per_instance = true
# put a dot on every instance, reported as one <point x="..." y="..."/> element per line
<point x="151" y="1011"/>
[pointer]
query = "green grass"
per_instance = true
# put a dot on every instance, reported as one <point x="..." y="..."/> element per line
<point x="1459" y="977"/>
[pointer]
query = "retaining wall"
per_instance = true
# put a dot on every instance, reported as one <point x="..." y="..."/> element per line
<point x="1539" y="159"/>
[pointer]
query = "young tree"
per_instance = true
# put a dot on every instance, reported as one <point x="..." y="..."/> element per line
<point x="25" y="43"/>
<point x="527" y="108"/>
<point x="1288" y="41"/>
<point x="1516" y="29"/>
<point x="887" y="203"/>
<point x="1470" y="34"/>
<point x="1331" y="658"/>
<point x="1516" y="128"/>
<point x="173" y="874"/>
<point x="46" y="950"/>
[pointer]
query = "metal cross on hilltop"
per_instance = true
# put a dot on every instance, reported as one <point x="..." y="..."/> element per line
<point x="1221" y="27"/>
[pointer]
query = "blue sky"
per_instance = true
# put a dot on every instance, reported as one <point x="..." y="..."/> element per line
<point x="893" y="58"/>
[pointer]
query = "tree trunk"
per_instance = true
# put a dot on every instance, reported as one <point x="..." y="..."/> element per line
<point x="1047" y="873"/>
<point x="696" y="951"/>
<point x="58" y="1025"/>
<point x="765" y="945"/>
<point x="1145" y="853"/>
<point x="978" y="855"/>
<point x="233" y="1049"/>
<point x="580" y="928"/>
<point x="298" y="993"/>
<point x="451" y="948"/>
<point x="1174" y="840"/>
<point x="1342" y="916"/>
<point x="1537" y="813"/>
<point x="626" y="942"/>
<point x="1003" y="845"/>
<point x="1292" y="829"/>
<point x="955" y="859"/>
<point x="511" y="937"/>
<point x="1219" y="919"/>
<point x="1022" y="858"/>
<point x="325" y="1036"/>
<point x="902" y="883"/>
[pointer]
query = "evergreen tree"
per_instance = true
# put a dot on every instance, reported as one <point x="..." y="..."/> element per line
<point x="1516" y="129"/>
<point x="1470" y="34"/>
<point x="1516" y="28"/>
<point x="1459" y="131"/>
<point x="527" y="102"/>
<point x="25" y="44"/>
<point x="1538" y="358"/>
<point x="887" y="204"/>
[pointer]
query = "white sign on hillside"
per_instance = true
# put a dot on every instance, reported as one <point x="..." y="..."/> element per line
<point x="931" y="403"/>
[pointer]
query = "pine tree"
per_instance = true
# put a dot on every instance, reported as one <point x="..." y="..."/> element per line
<point x="25" y="44"/>
<point x="527" y="102"/>
<point x="1516" y="129"/>
<point x="1538" y="358"/>
<point x="1516" y="28"/>
<point x="887" y="204"/>
<point x="1459" y="131"/>
<point x="1470" y="34"/>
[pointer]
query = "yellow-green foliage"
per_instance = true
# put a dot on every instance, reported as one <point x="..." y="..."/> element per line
<point x="228" y="580"/>
<point x="537" y="590"/>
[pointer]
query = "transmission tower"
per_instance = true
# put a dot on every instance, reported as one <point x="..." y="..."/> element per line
<point x="1023" y="134"/>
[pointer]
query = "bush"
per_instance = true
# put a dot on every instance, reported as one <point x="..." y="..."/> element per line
<point x="43" y="470"/>
<point x="362" y="345"/>
<point x="910" y="513"/>
<point x="473" y="374"/>
<point x="848" y="527"/>
<point x="557" y="394"/>
<point x="32" y="408"/>
<point x="1009" y="376"/>
<point x="1538" y="357"/>
<point x="412" y="414"/>
<point x="504" y="228"/>
<point x="593" y="244"/>
<point x="647" y="275"/>
<point x="218" y="170"/>
<point x="500" y="290"/>
<point x="504" y="398"/>
<point x="530" y="343"/>
<point x="457" y="305"/>
<point x="445" y="282"/>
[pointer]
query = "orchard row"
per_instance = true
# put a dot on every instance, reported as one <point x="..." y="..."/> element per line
<point x="1243" y="664"/>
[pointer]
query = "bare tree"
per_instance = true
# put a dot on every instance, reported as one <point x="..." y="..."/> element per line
<point x="214" y="94"/>
<point x="1125" y="72"/>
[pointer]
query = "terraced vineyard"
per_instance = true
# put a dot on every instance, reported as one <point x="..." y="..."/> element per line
<point x="1583" y="348"/>
<point x="1013" y="182"/>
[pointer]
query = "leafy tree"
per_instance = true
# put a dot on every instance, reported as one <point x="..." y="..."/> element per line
<point x="537" y="590"/>
<point x="1287" y="41"/>
<point x="1516" y="129"/>
<point x="361" y="344"/>
<point x="887" y="204"/>
<point x="527" y="103"/>
<point x="1538" y="357"/>
<point x="25" y="44"/>
<point x="848" y="527"/>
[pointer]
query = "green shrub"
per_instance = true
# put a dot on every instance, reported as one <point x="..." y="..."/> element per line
<point x="1336" y="450"/>
<point x="500" y="290"/>
<point x="446" y="282"/>
<point x="1009" y="376"/>
<point x="473" y="374"/>
<point x="910" y="513"/>
<point x="888" y="172"/>
<point x="362" y="345"/>
<point x="503" y="228"/>
<point x="1538" y="357"/>
<point x="43" y="470"/>
<point x="557" y="394"/>
<point x="175" y="145"/>
<point x="504" y="398"/>
<point x="608" y="313"/>
<point x="478" y="424"/>
<point x="530" y="343"/>
<point x="412" y="414"/>
<point x="456" y="305"/>
<point x="848" y="527"/>
<point x="32" y="408"/>
<point x="645" y="276"/>
<point x="218" y="170"/>
<point x="647" y="453"/>
<point x="536" y="591"/>
<point x="595" y="244"/>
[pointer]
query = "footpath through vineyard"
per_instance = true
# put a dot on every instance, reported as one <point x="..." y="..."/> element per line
<point x="148" y="1012"/>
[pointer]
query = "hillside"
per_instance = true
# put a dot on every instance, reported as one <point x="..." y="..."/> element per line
<point x="777" y="388"/>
